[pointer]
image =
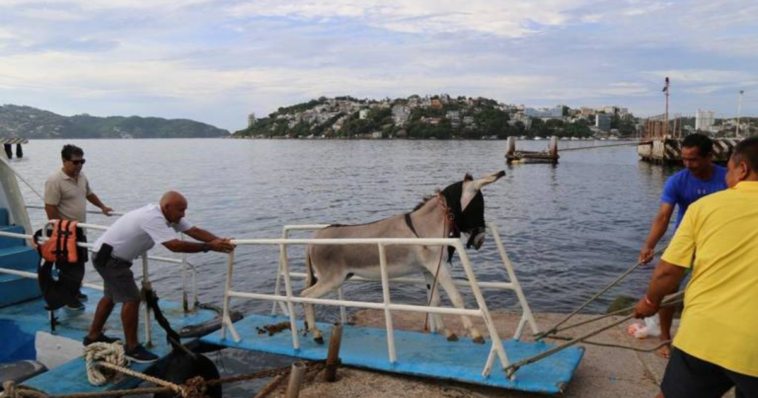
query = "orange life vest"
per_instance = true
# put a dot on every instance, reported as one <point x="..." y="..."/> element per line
<point x="61" y="245"/>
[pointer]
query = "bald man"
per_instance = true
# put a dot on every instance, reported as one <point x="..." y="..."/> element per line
<point x="133" y="234"/>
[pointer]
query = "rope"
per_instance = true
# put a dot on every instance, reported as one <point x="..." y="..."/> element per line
<point x="109" y="353"/>
<point x="510" y="370"/>
<point x="11" y="390"/>
<point x="554" y="329"/>
<point x="610" y="345"/>
<point x="185" y="392"/>
<point x="445" y="212"/>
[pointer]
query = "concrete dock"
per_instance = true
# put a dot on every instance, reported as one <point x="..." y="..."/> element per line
<point x="604" y="372"/>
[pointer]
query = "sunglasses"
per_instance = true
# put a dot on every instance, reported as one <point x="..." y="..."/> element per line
<point x="78" y="162"/>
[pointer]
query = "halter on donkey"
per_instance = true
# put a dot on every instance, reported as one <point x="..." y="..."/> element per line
<point x="458" y="208"/>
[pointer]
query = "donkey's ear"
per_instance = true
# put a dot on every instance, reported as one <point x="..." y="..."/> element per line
<point x="472" y="188"/>
<point x="481" y="182"/>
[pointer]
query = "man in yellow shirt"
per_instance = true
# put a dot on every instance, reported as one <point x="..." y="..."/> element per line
<point x="716" y="347"/>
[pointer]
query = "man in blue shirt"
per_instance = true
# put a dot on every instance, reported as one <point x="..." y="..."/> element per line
<point x="699" y="178"/>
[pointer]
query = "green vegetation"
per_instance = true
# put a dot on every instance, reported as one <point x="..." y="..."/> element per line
<point x="439" y="118"/>
<point x="28" y="122"/>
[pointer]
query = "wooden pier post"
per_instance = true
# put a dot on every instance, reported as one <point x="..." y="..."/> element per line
<point x="510" y="146"/>
<point x="296" y="379"/>
<point x="333" y="358"/>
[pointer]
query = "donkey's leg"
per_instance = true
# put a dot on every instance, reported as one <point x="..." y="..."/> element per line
<point x="435" y="319"/>
<point x="446" y="281"/>
<point x="322" y="287"/>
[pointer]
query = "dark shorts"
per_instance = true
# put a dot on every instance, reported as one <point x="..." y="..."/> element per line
<point x="118" y="280"/>
<point x="690" y="377"/>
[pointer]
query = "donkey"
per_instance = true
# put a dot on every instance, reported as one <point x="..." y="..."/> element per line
<point x="458" y="208"/>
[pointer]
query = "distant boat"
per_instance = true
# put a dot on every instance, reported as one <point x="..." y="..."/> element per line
<point x="537" y="138"/>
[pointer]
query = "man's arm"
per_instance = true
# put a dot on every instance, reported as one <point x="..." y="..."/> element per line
<point x="92" y="198"/>
<point x="666" y="280"/>
<point x="201" y="234"/>
<point x="216" y="245"/>
<point x="52" y="212"/>
<point x="657" y="230"/>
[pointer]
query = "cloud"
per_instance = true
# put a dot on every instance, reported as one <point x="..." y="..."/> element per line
<point x="217" y="60"/>
<point x="507" y="19"/>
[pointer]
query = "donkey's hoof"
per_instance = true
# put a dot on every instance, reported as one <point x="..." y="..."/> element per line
<point x="452" y="337"/>
<point x="319" y="340"/>
<point x="479" y="340"/>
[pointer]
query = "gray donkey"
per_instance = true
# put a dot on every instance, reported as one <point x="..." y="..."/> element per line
<point x="458" y="208"/>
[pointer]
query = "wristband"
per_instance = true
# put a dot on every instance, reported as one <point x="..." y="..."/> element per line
<point x="206" y="248"/>
<point x="650" y="303"/>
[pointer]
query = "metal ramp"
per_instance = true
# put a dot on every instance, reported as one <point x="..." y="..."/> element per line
<point x="496" y="363"/>
<point x="418" y="354"/>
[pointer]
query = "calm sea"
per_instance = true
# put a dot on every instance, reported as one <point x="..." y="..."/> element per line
<point x="569" y="229"/>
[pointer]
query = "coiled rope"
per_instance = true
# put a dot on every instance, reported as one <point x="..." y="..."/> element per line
<point x="97" y="353"/>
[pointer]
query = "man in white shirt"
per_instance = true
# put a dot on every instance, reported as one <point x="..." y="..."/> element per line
<point x="133" y="234"/>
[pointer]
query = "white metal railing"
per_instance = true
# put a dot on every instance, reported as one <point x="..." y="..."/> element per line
<point x="513" y="285"/>
<point x="288" y="300"/>
<point x="145" y="270"/>
<point x="89" y="211"/>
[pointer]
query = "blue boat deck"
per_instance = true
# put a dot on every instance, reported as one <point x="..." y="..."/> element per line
<point x="20" y="323"/>
<point x="419" y="354"/>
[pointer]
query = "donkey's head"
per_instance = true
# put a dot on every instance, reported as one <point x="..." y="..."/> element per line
<point x="466" y="204"/>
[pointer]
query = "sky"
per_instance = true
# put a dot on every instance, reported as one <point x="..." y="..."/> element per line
<point x="216" y="61"/>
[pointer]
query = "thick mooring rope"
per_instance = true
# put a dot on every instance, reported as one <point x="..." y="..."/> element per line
<point x="96" y="353"/>
<point x="11" y="390"/>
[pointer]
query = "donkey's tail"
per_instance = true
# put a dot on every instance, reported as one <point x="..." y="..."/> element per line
<point x="310" y="277"/>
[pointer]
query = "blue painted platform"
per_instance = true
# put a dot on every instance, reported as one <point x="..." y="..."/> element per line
<point x="19" y="324"/>
<point x="419" y="354"/>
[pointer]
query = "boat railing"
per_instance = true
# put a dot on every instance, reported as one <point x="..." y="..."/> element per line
<point x="288" y="299"/>
<point x="145" y="271"/>
<point x="89" y="211"/>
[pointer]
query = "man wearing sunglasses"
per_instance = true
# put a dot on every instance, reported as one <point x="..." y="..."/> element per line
<point x="66" y="195"/>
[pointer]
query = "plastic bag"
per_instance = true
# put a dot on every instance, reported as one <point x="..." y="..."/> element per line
<point x="651" y="328"/>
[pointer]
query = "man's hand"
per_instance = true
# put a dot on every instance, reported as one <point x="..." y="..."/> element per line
<point x="107" y="210"/>
<point x="646" y="255"/>
<point x="221" y="245"/>
<point x="645" y="308"/>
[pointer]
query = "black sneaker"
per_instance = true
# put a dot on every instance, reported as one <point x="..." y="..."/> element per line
<point x="140" y="355"/>
<point x="75" y="306"/>
<point x="81" y="296"/>
<point x="100" y="339"/>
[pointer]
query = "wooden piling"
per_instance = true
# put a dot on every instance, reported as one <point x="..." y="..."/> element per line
<point x="333" y="357"/>
<point x="296" y="379"/>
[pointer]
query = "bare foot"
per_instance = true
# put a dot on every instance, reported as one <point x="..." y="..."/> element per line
<point x="664" y="351"/>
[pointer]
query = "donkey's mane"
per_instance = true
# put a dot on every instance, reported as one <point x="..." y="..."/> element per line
<point x="425" y="199"/>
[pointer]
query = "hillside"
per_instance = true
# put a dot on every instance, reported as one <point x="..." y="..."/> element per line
<point x="28" y="122"/>
<point x="430" y="117"/>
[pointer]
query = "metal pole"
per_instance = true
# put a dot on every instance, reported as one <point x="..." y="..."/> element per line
<point x="146" y="282"/>
<point x="288" y="290"/>
<point x="739" y="113"/>
<point x="386" y="296"/>
<point x="227" y="289"/>
<point x="343" y="311"/>
<point x="296" y="379"/>
<point x="666" y="125"/>
<point x="527" y="311"/>
<point x="333" y="357"/>
<point x="497" y="344"/>
<point x="185" y="300"/>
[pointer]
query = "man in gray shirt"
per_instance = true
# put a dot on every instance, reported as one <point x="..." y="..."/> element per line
<point x="66" y="195"/>
<point x="133" y="234"/>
